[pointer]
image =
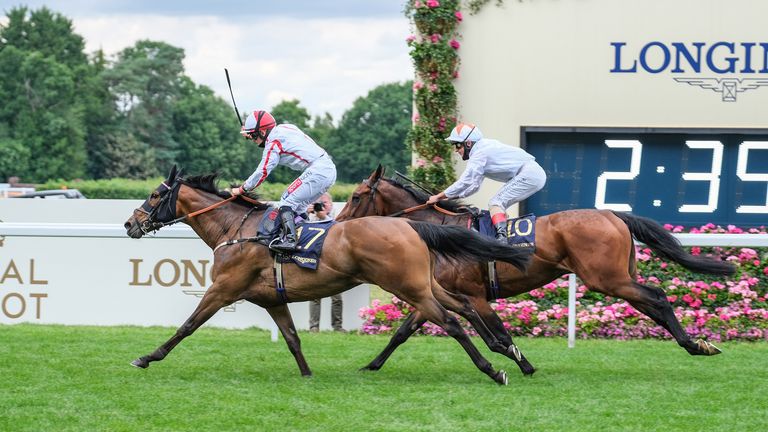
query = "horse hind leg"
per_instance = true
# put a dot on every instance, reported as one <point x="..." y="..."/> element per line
<point x="652" y="301"/>
<point x="432" y="310"/>
<point x="412" y="323"/>
<point x="497" y="340"/>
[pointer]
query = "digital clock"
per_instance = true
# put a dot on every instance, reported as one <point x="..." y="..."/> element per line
<point x="679" y="176"/>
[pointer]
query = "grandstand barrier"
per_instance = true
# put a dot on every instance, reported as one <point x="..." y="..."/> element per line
<point x="71" y="262"/>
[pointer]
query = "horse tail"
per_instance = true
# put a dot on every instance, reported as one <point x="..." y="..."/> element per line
<point x="667" y="246"/>
<point x="460" y="243"/>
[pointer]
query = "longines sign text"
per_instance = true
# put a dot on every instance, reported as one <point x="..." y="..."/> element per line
<point x="710" y="66"/>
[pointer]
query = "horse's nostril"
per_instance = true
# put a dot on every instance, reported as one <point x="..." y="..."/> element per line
<point x="127" y="225"/>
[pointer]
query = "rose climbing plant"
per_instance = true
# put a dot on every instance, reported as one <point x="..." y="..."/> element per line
<point x="434" y="52"/>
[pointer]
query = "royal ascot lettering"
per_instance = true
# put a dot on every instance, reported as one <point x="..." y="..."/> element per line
<point x="15" y="304"/>
<point x="693" y="57"/>
<point x="12" y="273"/>
<point x="167" y="272"/>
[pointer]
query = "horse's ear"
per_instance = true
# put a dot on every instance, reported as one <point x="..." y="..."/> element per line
<point x="172" y="175"/>
<point x="378" y="173"/>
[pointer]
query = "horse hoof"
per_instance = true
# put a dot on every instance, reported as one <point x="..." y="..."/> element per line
<point x="140" y="363"/>
<point x="501" y="378"/>
<point x="707" y="348"/>
<point x="529" y="372"/>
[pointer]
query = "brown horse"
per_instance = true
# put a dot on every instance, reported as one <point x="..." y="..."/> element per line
<point x="393" y="253"/>
<point x="597" y="245"/>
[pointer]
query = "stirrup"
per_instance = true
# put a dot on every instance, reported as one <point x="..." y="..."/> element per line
<point x="282" y="246"/>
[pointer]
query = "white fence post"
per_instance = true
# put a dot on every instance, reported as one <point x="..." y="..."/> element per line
<point x="571" y="310"/>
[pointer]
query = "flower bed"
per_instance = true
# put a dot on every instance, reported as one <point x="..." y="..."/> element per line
<point x="711" y="307"/>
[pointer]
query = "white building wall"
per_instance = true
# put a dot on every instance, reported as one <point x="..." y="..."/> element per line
<point x="548" y="63"/>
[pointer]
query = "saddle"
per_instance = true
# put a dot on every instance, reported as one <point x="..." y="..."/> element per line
<point x="310" y="235"/>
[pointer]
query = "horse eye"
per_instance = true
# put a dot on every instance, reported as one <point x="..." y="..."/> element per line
<point x="355" y="199"/>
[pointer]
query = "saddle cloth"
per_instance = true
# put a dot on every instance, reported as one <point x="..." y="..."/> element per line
<point x="521" y="231"/>
<point x="311" y="237"/>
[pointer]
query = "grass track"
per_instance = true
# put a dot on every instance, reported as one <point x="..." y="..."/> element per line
<point x="60" y="378"/>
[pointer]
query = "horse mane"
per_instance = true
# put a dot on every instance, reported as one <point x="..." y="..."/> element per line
<point x="454" y="205"/>
<point x="207" y="183"/>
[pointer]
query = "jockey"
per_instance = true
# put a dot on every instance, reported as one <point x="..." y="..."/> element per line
<point x="513" y="166"/>
<point x="286" y="144"/>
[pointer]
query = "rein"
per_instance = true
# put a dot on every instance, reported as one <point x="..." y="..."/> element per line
<point x="423" y="206"/>
<point x="149" y="225"/>
<point x="209" y="208"/>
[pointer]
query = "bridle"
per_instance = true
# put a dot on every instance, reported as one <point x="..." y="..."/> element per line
<point x="374" y="189"/>
<point x="164" y="212"/>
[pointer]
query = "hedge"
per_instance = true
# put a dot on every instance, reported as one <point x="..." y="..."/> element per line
<point x="140" y="189"/>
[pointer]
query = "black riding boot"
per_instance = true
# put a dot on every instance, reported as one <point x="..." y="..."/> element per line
<point x="287" y="241"/>
<point x="501" y="232"/>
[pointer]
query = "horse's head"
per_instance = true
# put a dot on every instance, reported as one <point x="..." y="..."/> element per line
<point x="157" y="210"/>
<point x="366" y="200"/>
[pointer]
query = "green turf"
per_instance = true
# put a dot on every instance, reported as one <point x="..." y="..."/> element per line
<point x="57" y="378"/>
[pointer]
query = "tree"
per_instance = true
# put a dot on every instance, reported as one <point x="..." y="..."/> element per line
<point x="43" y="67"/>
<point x="208" y="134"/>
<point x="146" y="80"/>
<point x="291" y="112"/>
<point x="373" y="131"/>
<point x="322" y="128"/>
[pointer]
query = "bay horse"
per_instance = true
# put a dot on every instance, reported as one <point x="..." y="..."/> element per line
<point x="596" y="245"/>
<point x="393" y="253"/>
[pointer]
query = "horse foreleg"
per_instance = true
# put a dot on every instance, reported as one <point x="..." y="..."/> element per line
<point x="210" y="304"/>
<point x="653" y="302"/>
<point x="282" y="317"/>
<point x="412" y="323"/>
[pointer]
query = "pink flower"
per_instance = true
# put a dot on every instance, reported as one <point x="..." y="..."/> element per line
<point x="437" y="159"/>
<point x="695" y="250"/>
<point x="416" y="117"/>
<point x="433" y="87"/>
<point x="756" y="262"/>
<point x="435" y="38"/>
<point x="455" y="44"/>
<point x="765" y="271"/>
<point x="410" y="38"/>
<point x="433" y="3"/>
<point x="417" y="85"/>
<point x="672" y="298"/>
<point x="668" y="227"/>
<point x="417" y="4"/>
<point x="663" y="265"/>
<point x="421" y="163"/>
<point x="459" y="16"/>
